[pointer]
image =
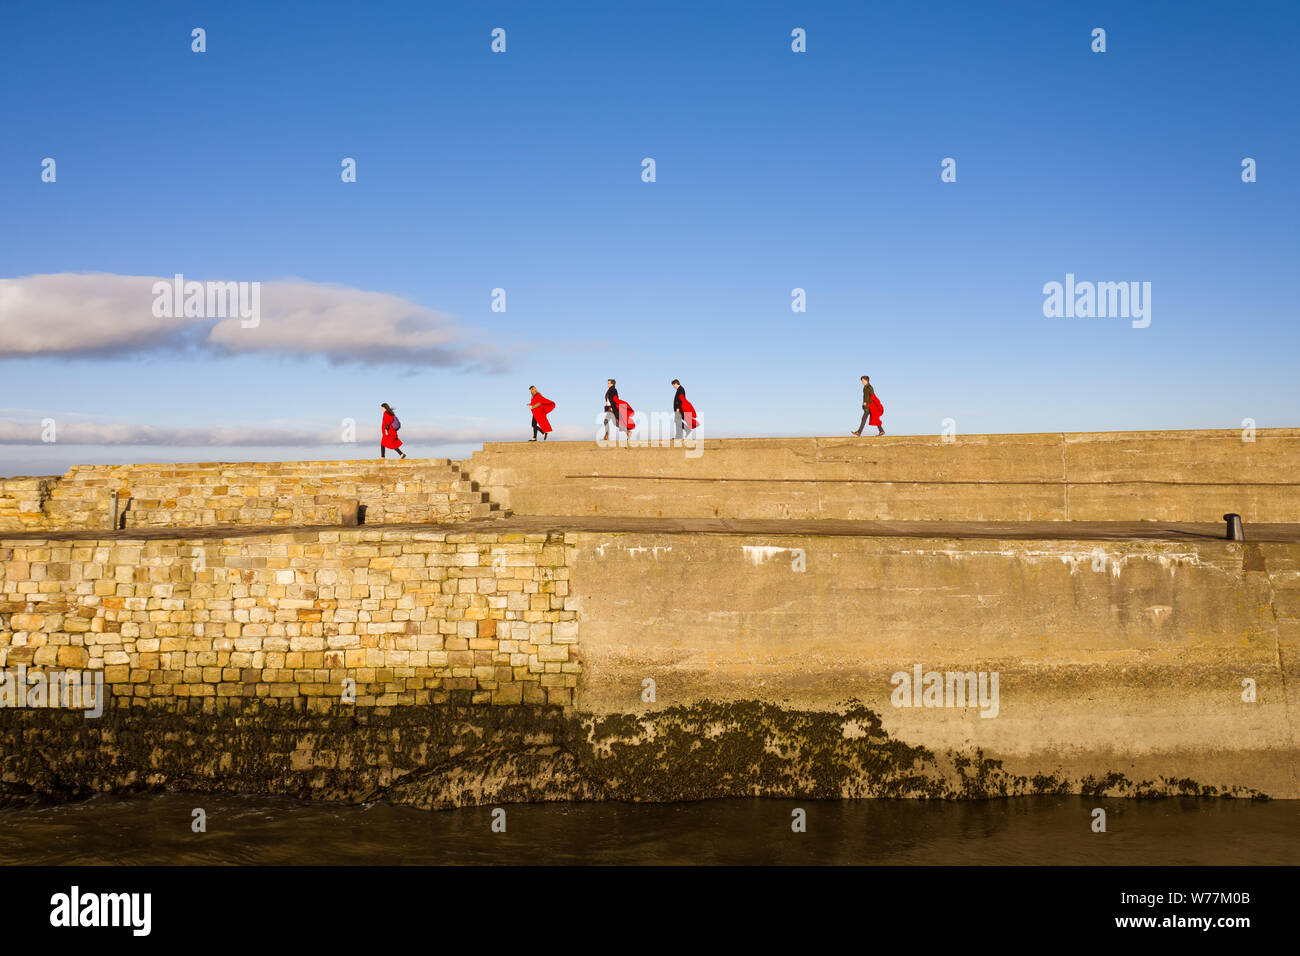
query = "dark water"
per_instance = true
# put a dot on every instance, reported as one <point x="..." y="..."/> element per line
<point x="1029" y="830"/>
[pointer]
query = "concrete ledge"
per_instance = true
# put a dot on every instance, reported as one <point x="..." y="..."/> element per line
<point x="534" y="524"/>
<point x="1105" y="476"/>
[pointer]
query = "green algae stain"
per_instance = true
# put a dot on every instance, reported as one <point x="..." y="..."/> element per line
<point x="740" y="748"/>
<point x="709" y="750"/>
<point x="452" y="755"/>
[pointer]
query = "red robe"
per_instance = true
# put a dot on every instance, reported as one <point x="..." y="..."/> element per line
<point x="389" y="439"/>
<point x="624" y="413"/>
<point x="544" y="406"/>
<point x="688" y="414"/>
<point x="876" y="410"/>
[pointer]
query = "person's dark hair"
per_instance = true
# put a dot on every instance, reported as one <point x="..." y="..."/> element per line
<point x="386" y="406"/>
<point x="865" y="378"/>
<point x="675" y="382"/>
<point x="531" y="387"/>
<point x="611" y="381"/>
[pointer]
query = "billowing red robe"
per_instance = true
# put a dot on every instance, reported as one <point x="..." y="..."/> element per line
<point x="389" y="439"/>
<point x="624" y="412"/>
<point x="542" y="406"/>
<point x="876" y="410"/>
<point x="688" y="414"/>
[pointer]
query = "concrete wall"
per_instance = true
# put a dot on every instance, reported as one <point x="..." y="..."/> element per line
<point x="412" y="617"/>
<point x="1193" y="476"/>
<point x="207" y="494"/>
<point x="1134" y="668"/>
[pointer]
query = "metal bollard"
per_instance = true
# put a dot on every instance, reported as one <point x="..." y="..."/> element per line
<point x="1235" y="530"/>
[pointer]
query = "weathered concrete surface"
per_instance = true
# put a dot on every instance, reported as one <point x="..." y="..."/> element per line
<point x="1192" y="476"/>
<point x="1134" y="668"/>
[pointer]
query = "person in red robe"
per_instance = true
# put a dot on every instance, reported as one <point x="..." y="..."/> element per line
<point x="617" y="410"/>
<point x="683" y="412"/>
<point x="388" y="432"/>
<point x="872" y="410"/>
<point x="541" y="406"/>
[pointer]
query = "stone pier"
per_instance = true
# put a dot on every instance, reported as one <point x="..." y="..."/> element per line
<point x="561" y="621"/>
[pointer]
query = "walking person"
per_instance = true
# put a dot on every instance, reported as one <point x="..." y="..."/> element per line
<point x="388" y="432"/>
<point x="872" y="410"/>
<point x="611" y="406"/>
<point x="683" y="412"/>
<point x="618" y="411"/>
<point x="541" y="406"/>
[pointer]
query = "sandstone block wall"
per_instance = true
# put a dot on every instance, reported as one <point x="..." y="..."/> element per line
<point x="243" y="493"/>
<point x="22" y="502"/>
<point x="1191" y="476"/>
<point x="411" y="617"/>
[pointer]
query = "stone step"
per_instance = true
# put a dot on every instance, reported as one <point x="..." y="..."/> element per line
<point x="205" y="481"/>
<point x="199" y="498"/>
<point x="280" y="493"/>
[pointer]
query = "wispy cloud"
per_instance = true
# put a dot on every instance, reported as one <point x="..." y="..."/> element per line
<point x="105" y="315"/>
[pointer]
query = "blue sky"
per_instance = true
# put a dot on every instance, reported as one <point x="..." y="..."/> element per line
<point x="775" y="170"/>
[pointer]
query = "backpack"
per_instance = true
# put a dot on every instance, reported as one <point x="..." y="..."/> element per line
<point x="397" y="423"/>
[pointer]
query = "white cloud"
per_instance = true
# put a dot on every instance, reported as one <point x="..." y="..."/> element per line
<point x="101" y="314"/>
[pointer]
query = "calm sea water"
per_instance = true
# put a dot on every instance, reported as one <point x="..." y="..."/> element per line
<point x="156" y="828"/>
